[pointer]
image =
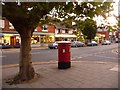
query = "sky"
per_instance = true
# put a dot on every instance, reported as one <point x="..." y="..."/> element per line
<point x="111" y="19"/>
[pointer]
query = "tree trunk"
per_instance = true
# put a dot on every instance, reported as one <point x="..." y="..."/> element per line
<point x="26" y="71"/>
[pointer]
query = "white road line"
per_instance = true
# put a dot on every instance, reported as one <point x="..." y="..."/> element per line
<point x="73" y="58"/>
<point x="2" y="56"/>
<point x="115" y="51"/>
<point x="115" y="68"/>
<point x="79" y="57"/>
<point x="76" y="57"/>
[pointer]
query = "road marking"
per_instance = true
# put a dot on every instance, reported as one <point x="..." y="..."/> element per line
<point x="73" y="58"/>
<point x="79" y="57"/>
<point x="76" y="57"/>
<point x="2" y="56"/>
<point x="99" y="62"/>
<point x="115" y="51"/>
<point x="115" y="68"/>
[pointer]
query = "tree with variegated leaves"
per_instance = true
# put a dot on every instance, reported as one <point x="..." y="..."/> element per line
<point x="25" y="17"/>
<point x="81" y="12"/>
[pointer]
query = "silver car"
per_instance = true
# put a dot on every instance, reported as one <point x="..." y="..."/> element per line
<point x="106" y="42"/>
<point x="92" y="43"/>
<point x="77" y="44"/>
<point x="53" y="45"/>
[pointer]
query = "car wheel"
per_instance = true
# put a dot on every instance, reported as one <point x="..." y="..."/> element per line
<point x="55" y="47"/>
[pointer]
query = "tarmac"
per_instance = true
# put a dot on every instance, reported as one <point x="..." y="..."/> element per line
<point x="81" y="74"/>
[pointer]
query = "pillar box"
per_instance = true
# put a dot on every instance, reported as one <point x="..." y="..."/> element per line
<point x="64" y="55"/>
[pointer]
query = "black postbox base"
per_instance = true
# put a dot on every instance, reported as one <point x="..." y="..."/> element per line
<point x="64" y="65"/>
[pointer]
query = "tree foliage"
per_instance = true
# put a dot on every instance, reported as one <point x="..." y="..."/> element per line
<point x="25" y="18"/>
<point x="90" y="29"/>
<point x="83" y="12"/>
<point x="27" y="14"/>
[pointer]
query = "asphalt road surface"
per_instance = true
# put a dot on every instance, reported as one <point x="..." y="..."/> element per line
<point x="96" y="53"/>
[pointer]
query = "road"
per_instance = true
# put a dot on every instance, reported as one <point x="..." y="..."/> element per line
<point x="97" y="53"/>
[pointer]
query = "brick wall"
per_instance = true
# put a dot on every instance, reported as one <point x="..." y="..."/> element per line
<point x="105" y="33"/>
<point x="51" y="29"/>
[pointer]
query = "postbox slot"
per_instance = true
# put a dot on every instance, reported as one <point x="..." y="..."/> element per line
<point x="63" y="50"/>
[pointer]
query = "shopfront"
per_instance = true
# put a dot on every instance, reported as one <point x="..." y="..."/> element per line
<point x="37" y="38"/>
<point x="100" y="37"/>
<point x="6" y="39"/>
<point x="42" y="38"/>
<point x="1" y="37"/>
<point x="10" y="39"/>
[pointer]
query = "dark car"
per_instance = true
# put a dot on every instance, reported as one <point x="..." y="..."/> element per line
<point x="5" y="46"/>
<point x="106" y="42"/>
<point x="92" y="43"/>
<point x="53" y="45"/>
<point x="77" y="44"/>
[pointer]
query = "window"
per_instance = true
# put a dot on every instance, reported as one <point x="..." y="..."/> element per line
<point x="45" y="28"/>
<point x="59" y="31"/>
<point x="11" y="26"/>
<point x="66" y="31"/>
<point x="2" y="24"/>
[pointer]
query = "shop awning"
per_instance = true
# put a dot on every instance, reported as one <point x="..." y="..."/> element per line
<point x="8" y="35"/>
<point x="66" y="36"/>
<point x="40" y="33"/>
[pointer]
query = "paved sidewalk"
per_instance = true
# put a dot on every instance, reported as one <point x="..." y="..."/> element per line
<point x="82" y="74"/>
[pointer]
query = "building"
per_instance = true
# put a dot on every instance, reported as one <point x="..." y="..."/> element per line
<point x="117" y="35"/>
<point x="103" y="34"/>
<point x="64" y="34"/>
<point x="42" y="35"/>
<point x="9" y="35"/>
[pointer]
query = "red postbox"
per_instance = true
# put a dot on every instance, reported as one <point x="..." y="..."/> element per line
<point x="64" y="55"/>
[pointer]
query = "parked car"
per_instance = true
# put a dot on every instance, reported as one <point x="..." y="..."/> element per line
<point x="117" y="40"/>
<point x="77" y="44"/>
<point x="106" y="42"/>
<point x="92" y="43"/>
<point x="17" y="46"/>
<point x="5" y="47"/>
<point x="53" y="45"/>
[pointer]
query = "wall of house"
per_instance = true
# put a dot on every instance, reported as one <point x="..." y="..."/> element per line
<point x="39" y="35"/>
<point x="64" y="34"/>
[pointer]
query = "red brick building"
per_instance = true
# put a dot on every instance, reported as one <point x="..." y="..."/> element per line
<point x="44" y="34"/>
<point x="102" y="34"/>
<point x="41" y="35"/>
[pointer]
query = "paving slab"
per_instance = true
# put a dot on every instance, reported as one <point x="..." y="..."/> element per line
<point x="82" y="74"/>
